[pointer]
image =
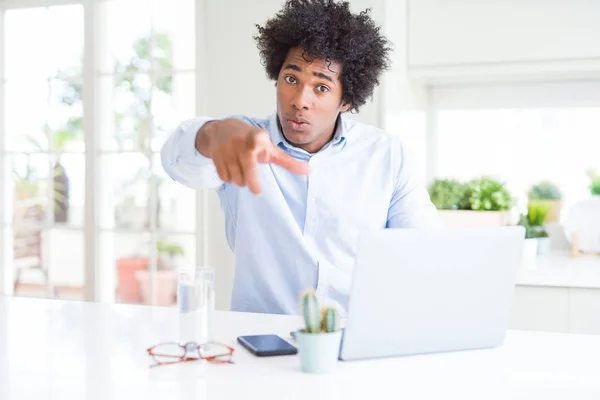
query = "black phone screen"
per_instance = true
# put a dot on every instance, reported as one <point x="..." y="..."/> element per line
<point x="266" y="345"/>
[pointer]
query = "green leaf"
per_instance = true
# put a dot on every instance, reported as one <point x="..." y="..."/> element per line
<point x="544" y="191"/>
<point x="537" y="214"/>
<point x="69" y="133"/>
<point x="448" y="194"/>
<point x="594" y="182"/>
<point x="488" y="194"/>
<point x="172" y="249"/>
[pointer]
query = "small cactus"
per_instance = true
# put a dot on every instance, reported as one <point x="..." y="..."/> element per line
<point x="318" y="319"/>
<point x="331" y="320"/>
<point x="311" y="311"/>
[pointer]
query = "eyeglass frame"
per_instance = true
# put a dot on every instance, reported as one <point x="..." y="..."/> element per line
<point x="188" y="348"/>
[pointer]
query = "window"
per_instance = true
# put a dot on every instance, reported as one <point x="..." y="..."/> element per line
<point x="43" y="156"/>
<point x="521" y="134"/>
<point x="144" y="77"/>
<point x="147" y="86"/>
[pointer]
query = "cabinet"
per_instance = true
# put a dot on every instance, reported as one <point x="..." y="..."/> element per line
<point x="540" y="309"/>
<point x="444" y="33"/>
<point x="560" y="294"/>
<point x="584" y="311"/>
<point x="552" y="309"/>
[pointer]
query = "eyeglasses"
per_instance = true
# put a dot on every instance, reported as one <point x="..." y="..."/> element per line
<point x="173" y="353"/>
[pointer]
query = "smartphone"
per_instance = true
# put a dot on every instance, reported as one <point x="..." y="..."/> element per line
<point x="266" y="345"/>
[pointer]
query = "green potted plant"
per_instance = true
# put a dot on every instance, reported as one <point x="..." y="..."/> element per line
<point x="488" y="194"/>
<point x="165" y="277"/>
<point x="448" y="194"/>
<point x="536" y="217"/>
<point x="480" y="202"/>
<point x="319" y="342"/>
<point x="547" y="194"/>
<point x="594" y="183"/>
<point x="530" y="247"/>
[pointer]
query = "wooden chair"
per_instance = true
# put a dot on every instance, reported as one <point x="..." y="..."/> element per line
<point x="27" y="247"/>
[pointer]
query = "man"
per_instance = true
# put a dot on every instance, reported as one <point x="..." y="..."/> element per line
<point x="299" y="187"/>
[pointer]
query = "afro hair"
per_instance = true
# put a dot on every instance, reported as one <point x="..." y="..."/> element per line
<point x="327" y="29"/>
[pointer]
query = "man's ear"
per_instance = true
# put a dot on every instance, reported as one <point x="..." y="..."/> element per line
<point x="345" y="107"/>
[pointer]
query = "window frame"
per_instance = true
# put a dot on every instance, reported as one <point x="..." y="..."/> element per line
<point x="510" y="94"/>
<point x="99" y="284"/>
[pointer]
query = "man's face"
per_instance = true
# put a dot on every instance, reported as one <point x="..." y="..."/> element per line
<point x="309" y="99"/>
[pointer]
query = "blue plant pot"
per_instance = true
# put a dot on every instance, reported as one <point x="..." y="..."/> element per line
<point x="544" y="245"/>
<point x="318" y="351"/>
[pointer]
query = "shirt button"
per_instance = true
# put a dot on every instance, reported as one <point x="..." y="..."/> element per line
<point x="313" y="200"/>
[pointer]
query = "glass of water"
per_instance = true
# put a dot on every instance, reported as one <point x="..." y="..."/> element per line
<point x="195" y="304"/>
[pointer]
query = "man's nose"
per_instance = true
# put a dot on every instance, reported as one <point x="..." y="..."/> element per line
<point x="303" y="98"/>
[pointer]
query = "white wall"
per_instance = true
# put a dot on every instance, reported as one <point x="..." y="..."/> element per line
<point x="459" y="32"/>
<point x="459" y="40"/>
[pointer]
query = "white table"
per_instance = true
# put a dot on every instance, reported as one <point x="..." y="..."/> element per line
<point x="52" y="349"/>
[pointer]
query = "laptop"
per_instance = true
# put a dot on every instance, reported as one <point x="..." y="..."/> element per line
<point x="430" y="291"/>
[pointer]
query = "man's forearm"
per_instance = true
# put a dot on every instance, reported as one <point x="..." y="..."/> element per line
<point x="203" y="137"/>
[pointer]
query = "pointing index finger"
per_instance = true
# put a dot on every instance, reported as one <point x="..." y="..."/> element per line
<point x="281" y="158"/>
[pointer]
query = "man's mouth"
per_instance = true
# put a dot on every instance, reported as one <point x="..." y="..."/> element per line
<point x="297" y="124"/>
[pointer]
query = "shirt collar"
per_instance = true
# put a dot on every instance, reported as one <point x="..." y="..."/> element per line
<point x="277" y="137"/>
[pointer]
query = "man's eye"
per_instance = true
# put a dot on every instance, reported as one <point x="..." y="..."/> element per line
<point x="290" y="79"/>
<point x="322" y="88"/>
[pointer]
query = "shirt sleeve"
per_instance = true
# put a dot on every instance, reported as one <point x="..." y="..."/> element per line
<point x="411" y="206"/>
<point x="183" y="163"/>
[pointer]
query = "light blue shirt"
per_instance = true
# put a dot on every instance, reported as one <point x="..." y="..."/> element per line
<point x="302" y="231"/>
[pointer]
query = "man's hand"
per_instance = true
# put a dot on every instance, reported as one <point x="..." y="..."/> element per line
<point x="236" y="148"/>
